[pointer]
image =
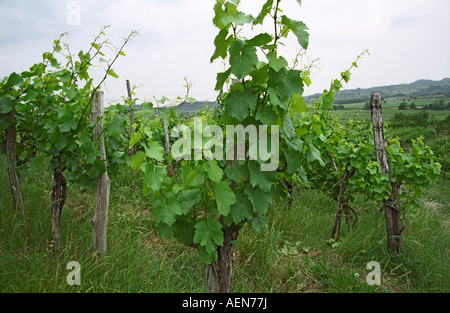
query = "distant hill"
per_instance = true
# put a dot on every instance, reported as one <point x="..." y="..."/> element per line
<point x="419" y="88"/>
<point x="422" y="87"/>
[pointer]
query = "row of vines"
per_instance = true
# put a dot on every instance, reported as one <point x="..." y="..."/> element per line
<point x="200" y="200"/>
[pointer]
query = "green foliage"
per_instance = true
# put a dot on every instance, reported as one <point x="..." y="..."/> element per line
<point x="51" y="102"/>
<point x="264" y="92"/>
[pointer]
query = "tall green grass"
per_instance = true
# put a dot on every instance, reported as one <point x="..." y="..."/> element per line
<point x="293" y="255"/>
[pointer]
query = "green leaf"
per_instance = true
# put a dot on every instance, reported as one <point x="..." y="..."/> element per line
<point x="189" y="198"/>
<point x="184" y="231"/>
<point x="6" y="105"/>
<point x="313" y="154"/>
<point x="215" y="173"/>
<point x="264" y="11"/>
<point x="260" y="75"/>
<point x="225" y="197"/>
<point x="208" y="234"/>
<point x="204" y="256"/>
<point x="298" y="104"/>
<point x="239" y="18"/>
<point x="61" y="143"/>
<point x="154" y="151"/>
<point x="147" y="106"/>
<point x="293" y="159"/>
<point x="276" y="63"/>
<point x="134" y="139"/>
<point x="219" y="14"/>
<point x="13" y="80"/>
<point x="259" y="40"/>
<point x="259" y="199"/>
<point x="266" y="115"/>
<point x="221" y="45"/>
<point x="299" y="29"/>
<point x="238" y="174"/>
<point x="259" y="224"/>
<point x="165" y="211"/>
<point x="221" y="79"/>
<point x="283" y="85"/>
<point x="112" y="73"/>
<point x="326" y="99"/>
<point x="67" y="126"/>
<point x="241" y="210"/>
<point x="259" y="178"/>
<point x="115" y="126"/>
<point x="238" y="103"/>
<point x="243" y="58"/>
<point x="137" y="160"/>
<point x="154" y="176"/>
<point x="288" y="126"/>
<point x="346" y="75"/>
<point x="163" y="230"/>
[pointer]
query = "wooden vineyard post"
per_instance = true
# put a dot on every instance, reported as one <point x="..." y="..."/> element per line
<point x="100" y="219"/>
<point x="394" y="227"/>
<point x="133" y="148"/>
<point x="167" y="144"/>
<point x="11" y="159"/>
<point x="342" y="205"/>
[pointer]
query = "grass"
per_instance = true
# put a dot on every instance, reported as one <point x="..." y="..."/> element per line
<point x="292" y="256"/>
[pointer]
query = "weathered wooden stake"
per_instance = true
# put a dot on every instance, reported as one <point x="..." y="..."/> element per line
<point x="133" y="148"/>
<point x="394" y="227"/>
<point x="167" y="142"/>
<point x="336" y="229"/>
<point x="11" y="159"/>
<point x="100" y="219"/>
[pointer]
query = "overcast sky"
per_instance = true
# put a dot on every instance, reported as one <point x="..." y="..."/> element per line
<point x="407" y="40"/>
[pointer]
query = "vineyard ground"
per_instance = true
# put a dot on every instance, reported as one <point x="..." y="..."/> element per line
<point x="291" y="256"/>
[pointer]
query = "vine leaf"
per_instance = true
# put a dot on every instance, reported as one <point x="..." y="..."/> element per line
<point x="221" y="45"/>
<point x="154" y="177"/>
<point x="313" y="154"/>
<point x="166" y="211"/>
<point x="299" y="29"/>
<point x="215" y="173"/>
<point x="238" y="103"/>
<point x="243" y="58"/>
<point x="6" y="105"/>
<point x="259" y="224"/>
<point x="259" y="40"/>
<point x="260" y="200"/>
<point x="189" y="198"/>
<point x="262" y="179"/>
<point x="298" y="104"/>
<point x="208" y="234"/>
<point x="276" y="63"/>
<point x="154" y="151"/>
<point x="225" y="197"/>
<point x="264" y="11"/>
<point x="137" y="160"/>
<point x="242" y="209"/>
